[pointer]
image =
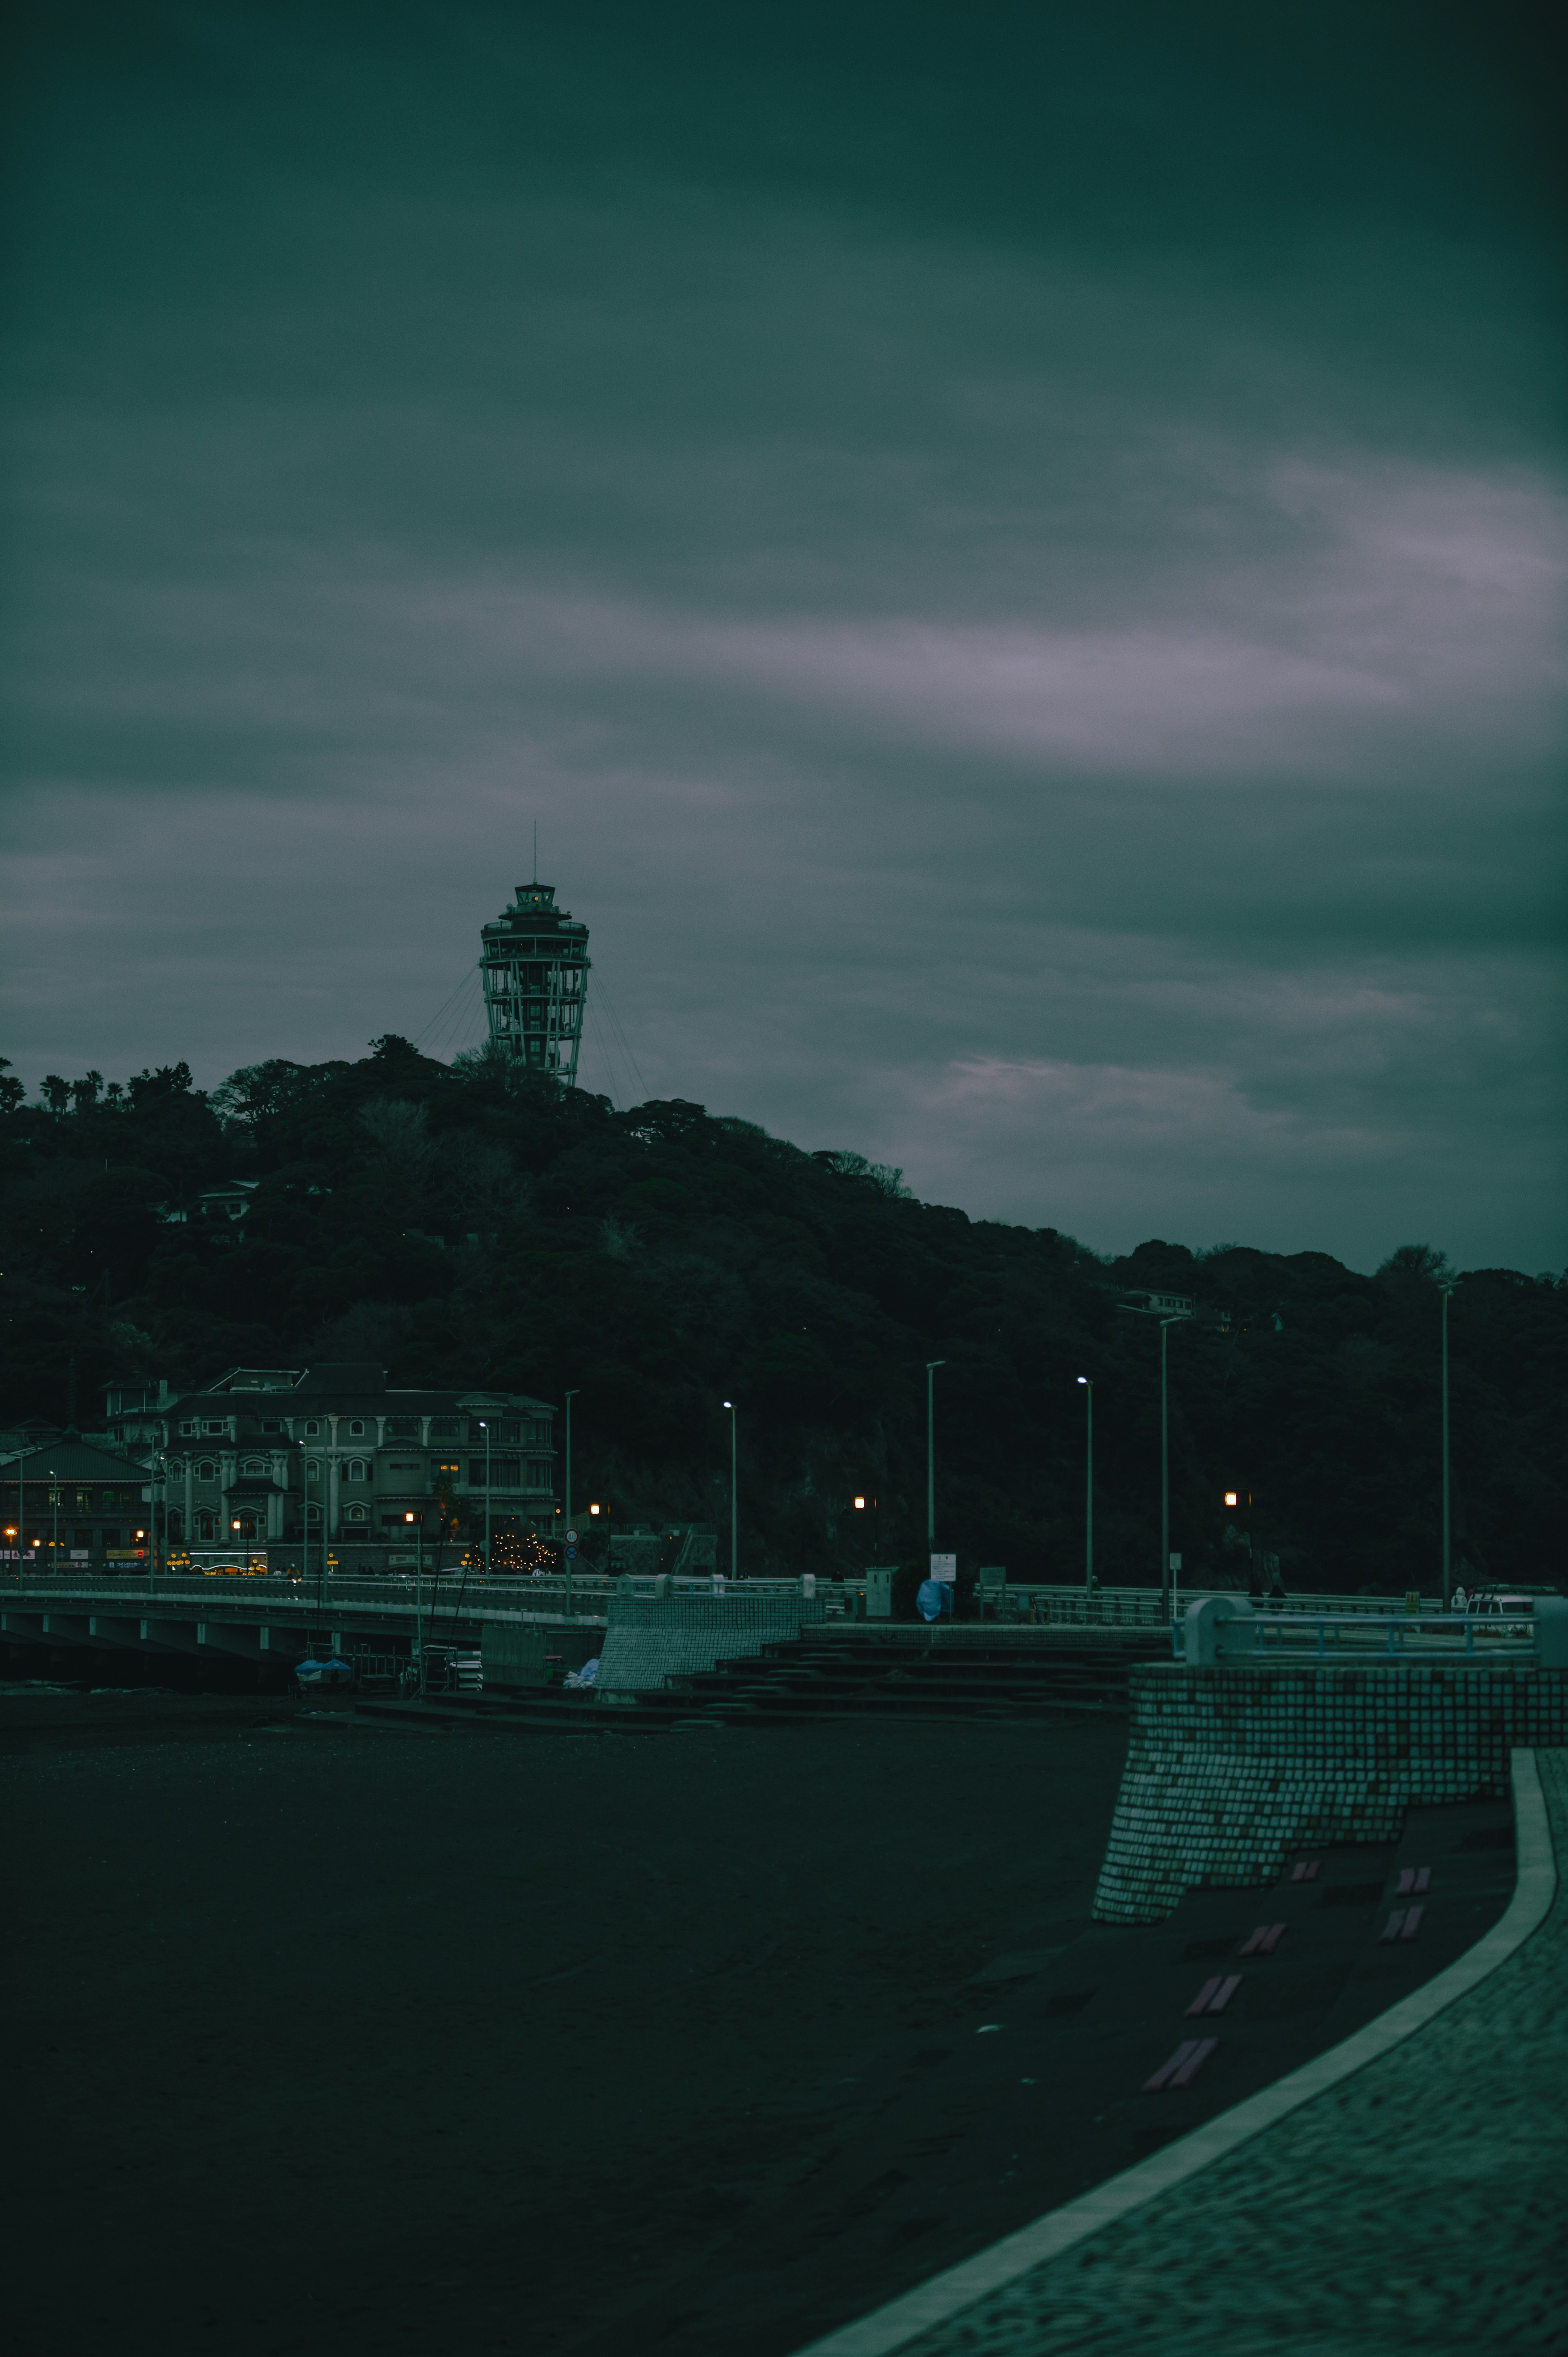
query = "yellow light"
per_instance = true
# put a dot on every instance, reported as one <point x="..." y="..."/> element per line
<point x="593" y="1509"/>
<point x="234" y="1526"/>
<point x="1231" y="1497"/>
<point x="860" y="1502"/>
<point x="408" y="1518"/>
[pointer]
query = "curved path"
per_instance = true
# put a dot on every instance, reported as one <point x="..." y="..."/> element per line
<point x="1407" y="2191"/>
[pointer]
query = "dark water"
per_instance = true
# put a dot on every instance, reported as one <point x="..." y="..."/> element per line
<point x="324" y="2041"/>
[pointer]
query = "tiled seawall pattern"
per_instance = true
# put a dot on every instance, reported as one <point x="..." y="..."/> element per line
<point x="1232" y="1768"/>
<point x="649" y="1639"/>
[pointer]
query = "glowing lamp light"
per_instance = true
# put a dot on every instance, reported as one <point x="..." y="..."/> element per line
<point x="408" y="1518"/>
<point x="860" y="1505"/>
<point x="1083" y="1379"/>
<point x="1231" y="1497"/>
<point x="593" y="1509"/>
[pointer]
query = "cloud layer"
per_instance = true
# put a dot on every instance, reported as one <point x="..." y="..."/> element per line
<point x="1071" y="704"/>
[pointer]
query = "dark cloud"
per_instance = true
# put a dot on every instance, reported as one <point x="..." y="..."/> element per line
<point x="1016" y="558"/>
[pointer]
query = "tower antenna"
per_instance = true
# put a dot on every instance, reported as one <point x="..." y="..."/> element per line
<point x="536" y="851"/>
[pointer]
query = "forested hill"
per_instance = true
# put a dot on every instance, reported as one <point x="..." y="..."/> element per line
<point x="467" y="1224"/>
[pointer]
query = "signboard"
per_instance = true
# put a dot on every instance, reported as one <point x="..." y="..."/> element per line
<point x="1175" y="1563"/>
<point x="944" y="1566"/>
<point x="571" y="1538"/>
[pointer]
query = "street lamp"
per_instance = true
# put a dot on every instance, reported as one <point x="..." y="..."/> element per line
<point x="570" y="1397"/>
<point x="54" y="1500"/>
<point x="237" y="1525"/>
<point x="1088" y="1383"/>
<point x="932" y="1366"/>
<point x="419" y="1589"/>
<point x="734" y="1499"/>
<point x="860" y="1507"/>
<point x="1166" y="1325"/>
<point x="485" y="1428"/>
<point x="1447" y="1526"/>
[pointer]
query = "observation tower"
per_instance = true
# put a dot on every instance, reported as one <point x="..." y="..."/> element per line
<point x="534" y="961"/>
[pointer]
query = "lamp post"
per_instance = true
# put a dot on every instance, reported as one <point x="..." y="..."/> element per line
<point x="237" y="1523"/>
<point x="734" y="1499"/>
<point x="54" y="1500"/>
<point x="1447" y="1524"/>
<point x="419" y="1589"/>
<point x="932" y="1366"/>
<point x="1088" y="1383"/>
<point x="1166" y="1325"/>
<point x="485" y="1428"/>
<point x="570" y="1397"/>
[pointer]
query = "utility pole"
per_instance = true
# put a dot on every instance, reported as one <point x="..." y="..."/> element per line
<point x="485" y="1428"/>
<point x="1166" y="1325"/>
<point x="932" y="1366"/>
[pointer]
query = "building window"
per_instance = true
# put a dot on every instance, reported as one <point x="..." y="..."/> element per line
<point x="215" y="1424"/>
<point x="81" y="1538"/>
<point x="173" y="1467"/>
<point x="403" y="1428"/>
<point x="313" y="1468"/>
<point x="538" y="1432"/>
<point x="444" y="1428"/>
<point x="255" y="1465"/>
<point x="357" y="1429"/>
<point x="312" y="1430"/>
<point x="539" y="1473"/>
<point x="271" y="1424"/>
<point x="207" y="1526"/>
<point x="357" y="1513"/>
<point x="355" y="1469"/>
<point x="207" y="1470"/>
<point x="187" y="1429"/>
<point x="313" y="1515"/>
<point x="109" y="1537"/>
<point x="449" y="1470"/>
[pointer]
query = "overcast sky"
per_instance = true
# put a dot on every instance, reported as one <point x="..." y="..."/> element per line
<point x="1014" y="554"/>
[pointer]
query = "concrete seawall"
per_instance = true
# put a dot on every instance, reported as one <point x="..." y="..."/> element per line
<point x="1230" y="1768"/>
<point x="648" y="1639"/>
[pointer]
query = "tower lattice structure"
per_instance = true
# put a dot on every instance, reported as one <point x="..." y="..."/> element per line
<point x="534" y="962"/>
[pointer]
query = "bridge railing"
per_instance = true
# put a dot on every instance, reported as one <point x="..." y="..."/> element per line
<point x="1368" y="1637"/>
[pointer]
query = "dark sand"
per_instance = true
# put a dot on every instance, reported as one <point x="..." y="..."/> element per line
<point x="328" y="2041"/>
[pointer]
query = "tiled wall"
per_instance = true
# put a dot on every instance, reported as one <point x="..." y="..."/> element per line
<point x="647" y="1640"/>
<point x="1230" y="1768"/>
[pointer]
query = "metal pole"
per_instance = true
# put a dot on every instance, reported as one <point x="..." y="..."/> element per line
<point x="54" y="1497"/>
<point x="1447" y="1560"/>
<point x="1088" y="1497"/>
<point x="1163" y="1481"/>
<point x="734" y="1497"/>
<point x="570" y="1397"/>
<point x="419" y="1596"/>
<point x="485" y="1428"/>
<point x="932" y="1366"/>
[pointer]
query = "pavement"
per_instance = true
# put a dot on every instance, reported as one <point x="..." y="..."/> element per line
<point x="1418" y="2200"/>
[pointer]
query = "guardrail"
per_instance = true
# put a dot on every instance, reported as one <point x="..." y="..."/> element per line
<point x="1323" y="1636"/>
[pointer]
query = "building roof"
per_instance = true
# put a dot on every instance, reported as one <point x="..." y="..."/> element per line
<point x="68" y="1458"/>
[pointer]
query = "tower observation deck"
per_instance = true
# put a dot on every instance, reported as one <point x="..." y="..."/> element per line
<point x="534" y="962"/>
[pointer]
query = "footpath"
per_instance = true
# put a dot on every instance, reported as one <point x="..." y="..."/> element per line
<point x="1407" y="2189"/>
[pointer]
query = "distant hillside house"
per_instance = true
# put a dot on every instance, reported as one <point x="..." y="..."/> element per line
<point x="266" y="1456"/>
<point x="70" y="1500"/>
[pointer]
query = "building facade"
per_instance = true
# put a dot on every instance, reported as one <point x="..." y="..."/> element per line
<point x="277" y="1459"/>
<point x="72" y="1501"/>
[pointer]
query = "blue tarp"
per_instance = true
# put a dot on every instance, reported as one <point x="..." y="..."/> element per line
<point x="933" y="1598"/>
<point x="334" y="1672"/>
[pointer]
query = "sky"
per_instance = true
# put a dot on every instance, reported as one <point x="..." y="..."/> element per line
<point x="1015" y="556"/>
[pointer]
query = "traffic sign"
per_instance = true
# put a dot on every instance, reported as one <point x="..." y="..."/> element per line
<point x="571" y="1538"/>
<point x="571" y="1554"/>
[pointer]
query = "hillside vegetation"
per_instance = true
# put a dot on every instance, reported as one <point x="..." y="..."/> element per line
<point x="468" y="1225"/>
